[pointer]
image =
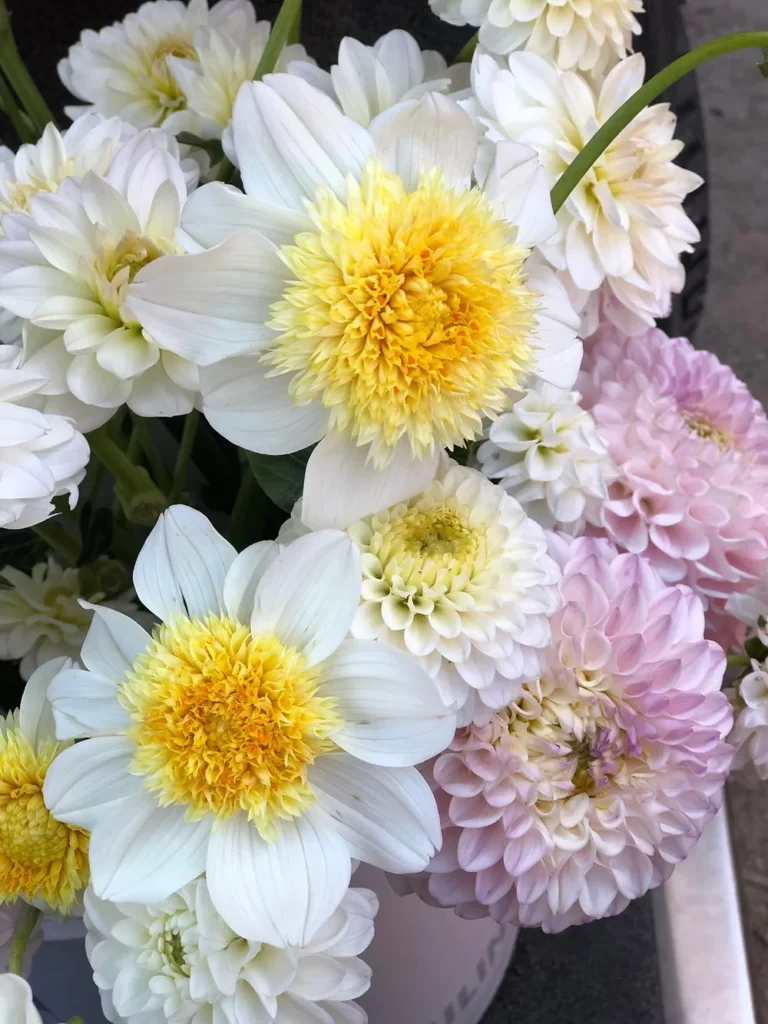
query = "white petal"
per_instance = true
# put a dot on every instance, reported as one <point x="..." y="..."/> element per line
<point x="419" y="135"/>
<point x="216" y="211"/>
<point x="518" y="184"/>
<point x="141" y="853"/>
<point x="388" y="816"/>
<point x="280" y="892"/>
<point x="85" y="704"/>
<point x="290" y="138"/>
<point x="113" y="643"/>
<point x="210" y="305"/>
<point x="90" y="779"/>
<point x="182" y="566"/>
<point x="243" y="577"/>
<point x="342" y="485"/>
<point x="255" y="411"/>
<point x="309" y="595"/>
<point x="391" y="708"/>
<point x="35" y="714"/>
<point x="16" y="1001"/>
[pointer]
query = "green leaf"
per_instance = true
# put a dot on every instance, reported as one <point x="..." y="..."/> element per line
<point x="281" y="477"/>
<point x="756" y="649"/>
<point x="762" y="67"/>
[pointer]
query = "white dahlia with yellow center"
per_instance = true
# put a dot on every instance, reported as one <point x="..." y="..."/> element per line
<point x="71" y="272"/>
<point x="367" y="295"/>
<point x="178" y="960"/>
<point x="623" y="228"/>
<point x="170" y="63"/>
<point x="246" y="737"/>
<point x="588" y="35"/>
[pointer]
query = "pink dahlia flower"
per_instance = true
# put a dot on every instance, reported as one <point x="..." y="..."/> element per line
<point x="588" y="790"/>
<point x="691" y="445"/>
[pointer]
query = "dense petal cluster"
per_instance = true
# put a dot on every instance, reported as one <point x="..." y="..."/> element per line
<point x="206" y="745"/>
<point x="42" y="615"/>
<point x="691" y="446"/>
<point x="368" y="295"/>
<point x="178" y="960"/>
<point x="72" y="270"/>
<point x="623" y="228"/>
<point x="590" y="788"/>
<point x="545" y="451"/>
<point x="170" y="63"/>
<point x="368" y="80"/>
<point x="588" y="35"/>
<point x="41" y="456"/>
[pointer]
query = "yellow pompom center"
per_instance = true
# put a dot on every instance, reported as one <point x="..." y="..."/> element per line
<point x="410" y="314"/>
<point x="40" y="858"/>
<point x="224" y="721"/>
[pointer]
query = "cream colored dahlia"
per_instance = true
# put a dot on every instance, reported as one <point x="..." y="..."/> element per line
<point x="749" y="736"/>
<point x="177" y="960"/>
<point x="546" y="453"/>
<point x="170" y="63"/>
<point x="42" y="614"/>
<point x="588" y="35"/>
<point x="588" y="789"/>
<point x="623" y="228"/>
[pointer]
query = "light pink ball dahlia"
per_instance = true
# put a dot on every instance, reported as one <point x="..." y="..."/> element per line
<point x="691" y="445"/>
<point x="589" y="789"/>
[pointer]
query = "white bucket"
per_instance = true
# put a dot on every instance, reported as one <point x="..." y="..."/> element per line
<point x="429" y="966"/>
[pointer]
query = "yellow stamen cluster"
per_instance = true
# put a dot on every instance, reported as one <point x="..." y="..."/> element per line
<point x="703" y="427"/>
<point x="225" y="721"/>
<point x="410" y="314"/>
<point x="40" y="858"/>
<point x="160" y="81"/>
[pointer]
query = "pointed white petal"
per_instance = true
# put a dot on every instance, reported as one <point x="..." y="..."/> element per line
<point x="88" y="780"/>
<point x="243" y="577"/>
<point x="35" y="714"/>
<point x="85" y="704"/>
<point x="216" y="211"/>
<point x="113" y="643"/>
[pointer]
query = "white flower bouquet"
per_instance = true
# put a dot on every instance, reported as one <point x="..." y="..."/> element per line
<point x="354" y="508"/>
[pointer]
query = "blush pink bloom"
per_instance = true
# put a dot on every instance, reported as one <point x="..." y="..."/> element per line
<point x="589" y="789"/>
<point x="691" y="445"/>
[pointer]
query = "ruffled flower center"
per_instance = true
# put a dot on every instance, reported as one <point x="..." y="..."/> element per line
<point x="161" y="81"/>
<point x="165" y="950"/>
<point x="702" y="426"/>
<point x="224" y="721"/>
<point x="409" y="315"/>
<point x="117" y="263"/>
<point x="39" y="856"/>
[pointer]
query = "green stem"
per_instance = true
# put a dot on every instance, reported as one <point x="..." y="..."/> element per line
<point x="58" y="540"/>
<point x="11" y="108"/>
<point x="156" y="464"/>
<point x="281" y="34"/>
<point x="467" y="52"/>
<point x="652" y="89"/>
<point x="21" y="938"/>
<point x="141" y="498"/>
<point x="247" y="497"/>
<point x="739" y="661"/>
<point x="19" y="78"/>
<point x="187" y="443"/>
<point x="75" y="1020"/>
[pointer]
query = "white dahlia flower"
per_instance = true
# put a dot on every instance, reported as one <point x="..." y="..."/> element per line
<point x="624" y="227"/>
<point x="170" y="63"/>
<point x="749" y="737"/>
<point x="73" y="272"/>
<point x="367" y="80"/>
<point x="588" y="35"/>
<point x="177" y="960"/>
<point x="372" y="298"/>
<point x="460" y="578"/>
<point x="546" y="452"/>
<point x="41" y="456"/>
<point x="588" y="790"/>
<point x="246" y="737"/>
<point x="42" y="615"/>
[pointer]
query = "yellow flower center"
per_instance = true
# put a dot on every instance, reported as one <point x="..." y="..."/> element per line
<point x="703" y="427"/>
<point x="40" y="858"/>
<point x="224" y="721"/>
<point x="125" y="259"/>
<point x="162" y="83"/>
<point x="410" y="313"/>
<point x="439" y="533"/>
<point x="15" y="195"/>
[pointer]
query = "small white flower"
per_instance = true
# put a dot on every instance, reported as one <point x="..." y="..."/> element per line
<point x="41" y="615"/>
<point x="284" y="753"/>
<point x="16" y="1005"/>
<point x="751" y="608"/>
<point x="178" y="960"/>
<point x="368" y="80"/>
<point x="750" y="731"/>
<point x="460" y="578"/>
<point x="623" y="228"/>
<point x="170" y="63"/>
<point x="72" y="273"/>
<point x="41" y="456"/>
<point x="588" y="35"/>
<point x="547" y="454"/>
